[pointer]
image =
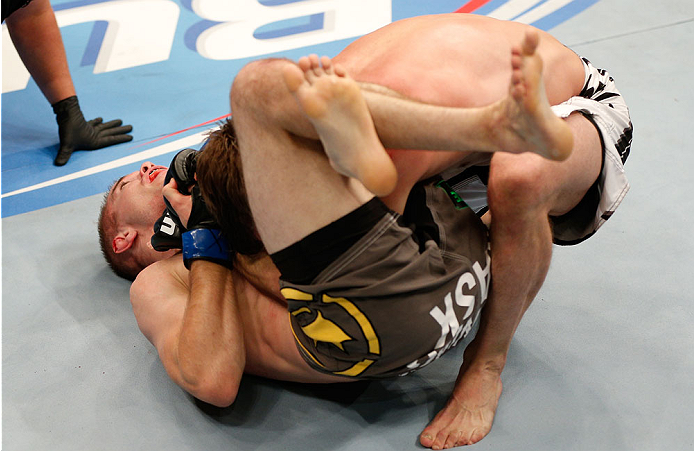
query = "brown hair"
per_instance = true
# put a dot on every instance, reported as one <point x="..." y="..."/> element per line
<point x="220" y="178"/>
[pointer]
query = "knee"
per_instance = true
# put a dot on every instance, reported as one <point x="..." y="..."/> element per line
<point x="246" y="87"/>
<point x="518" y="184"/>
<point x="256" y="84"/>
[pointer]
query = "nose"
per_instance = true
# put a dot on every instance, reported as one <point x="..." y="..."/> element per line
<point x="144" y="169"/>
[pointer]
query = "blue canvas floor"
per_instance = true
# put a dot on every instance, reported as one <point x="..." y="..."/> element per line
<point x="603" y="359"/>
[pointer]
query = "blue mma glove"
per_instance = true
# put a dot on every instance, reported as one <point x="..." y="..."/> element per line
<point x="206" y="244"/>
<point x="203" y="240"/>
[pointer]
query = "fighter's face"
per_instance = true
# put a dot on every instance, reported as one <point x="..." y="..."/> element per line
<point x="136" y="198"/>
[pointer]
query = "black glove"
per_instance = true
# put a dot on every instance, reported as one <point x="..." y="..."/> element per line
<point x="168" y="229"/>
<point x="202" y="238"/>
<point x="167" y="232"/>
<point x="182" y="169"/>
<point x="77" y="134"/>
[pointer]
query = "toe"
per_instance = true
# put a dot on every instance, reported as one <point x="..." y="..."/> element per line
<point x="327" y="64"/>
<point x="452" y="440"/>
<point x="293" y="77"/>
<point x="426" y="438"/>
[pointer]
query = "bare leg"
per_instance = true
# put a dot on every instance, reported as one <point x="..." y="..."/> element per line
<point x="333" y="103"/>
<point x="289" y="178"/>
<point x="528" y="114"/>
<point x="523" y="191"/>
<point x="521" y="122"/>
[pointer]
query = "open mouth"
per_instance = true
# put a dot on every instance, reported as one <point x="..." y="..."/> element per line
<point x="155" y="172"/>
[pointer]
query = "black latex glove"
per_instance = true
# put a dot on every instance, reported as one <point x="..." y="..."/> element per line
<point x="77" y="134"/>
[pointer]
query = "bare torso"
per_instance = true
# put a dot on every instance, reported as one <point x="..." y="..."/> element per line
<point x="458" y="60"/>
<point x="159" y="296"/>
<point x="270" y="347"/>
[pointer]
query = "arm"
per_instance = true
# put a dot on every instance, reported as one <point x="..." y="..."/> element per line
<point x="36" y="36"/>
<point x="193" y="321"/>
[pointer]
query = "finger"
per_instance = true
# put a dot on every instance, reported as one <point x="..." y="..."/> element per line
<point x="95" y="122"/>
<point x="110" y="124"/>
<point x="173" y="184"/>
<point x="116" y="130"/>
<point x="63" y="156"/>
<point x="171" y="193"/>
<point x="182" y="204"/>
<point x="105" y="141"/>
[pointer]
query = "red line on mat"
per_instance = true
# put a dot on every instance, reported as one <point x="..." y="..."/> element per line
<point x="182" y="131"/>
<point x="471" y="6"/>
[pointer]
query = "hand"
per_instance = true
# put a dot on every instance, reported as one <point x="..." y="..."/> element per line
<point x="170" y="227"/>
<point x="182" y="169"/>
<point x="77" y="134"/>
<point x="201" y="238"/>
<point x="178" y="185"/>
<point x="181" y="204"/>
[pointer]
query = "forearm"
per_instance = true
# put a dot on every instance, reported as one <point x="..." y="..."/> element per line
<point x="37" y="38"/>
<point x="210" y="352"/>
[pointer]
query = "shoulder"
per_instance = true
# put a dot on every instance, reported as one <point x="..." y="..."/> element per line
<point x="158" y="295"/>
<point x="163" y="272"/>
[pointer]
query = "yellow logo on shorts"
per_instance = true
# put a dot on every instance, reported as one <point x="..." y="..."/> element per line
<point x="326" y="330"/>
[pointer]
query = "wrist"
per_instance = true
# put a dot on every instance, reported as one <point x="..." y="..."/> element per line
<point x="65" y="104"/>
<point x="206" y="244"/>
<point x="68" y="110"/>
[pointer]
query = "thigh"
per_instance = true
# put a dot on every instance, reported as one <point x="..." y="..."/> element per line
<point x="292" y="189"/>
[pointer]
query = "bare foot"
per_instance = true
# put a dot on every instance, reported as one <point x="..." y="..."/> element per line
<point x="526" y="122"/>
<point x="469" y="413"/>
<point x="333" y="103"/>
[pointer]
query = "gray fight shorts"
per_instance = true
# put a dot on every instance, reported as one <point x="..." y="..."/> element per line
<point x="402" y="293"/>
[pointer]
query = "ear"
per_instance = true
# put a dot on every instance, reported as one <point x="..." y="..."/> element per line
<point x="124" y="240"/>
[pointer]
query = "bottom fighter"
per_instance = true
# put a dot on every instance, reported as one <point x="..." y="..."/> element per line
<point x="329" y="236"/>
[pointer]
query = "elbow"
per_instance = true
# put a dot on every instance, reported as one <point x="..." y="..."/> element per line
<point x="215" y="383"/>
<point x="218" y="393"/>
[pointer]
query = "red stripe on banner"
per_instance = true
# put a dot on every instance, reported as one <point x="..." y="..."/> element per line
<point x="471" y="6"/>
<point x="182" y="131"/>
